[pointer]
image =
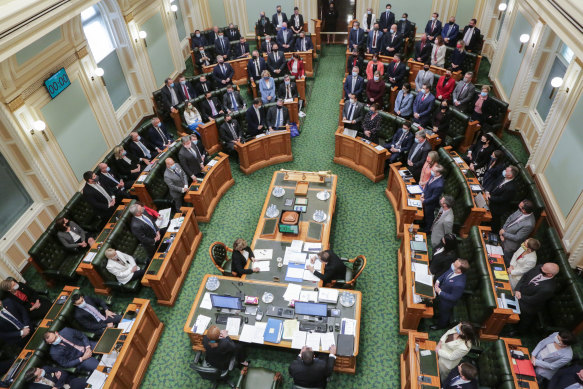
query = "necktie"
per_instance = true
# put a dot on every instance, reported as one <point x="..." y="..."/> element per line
<point x="422" y="46"/>
<point x="468" y="36"/>
<point x="350" y="111"/>
<point x="304" y="44"/>
<point x="394" y="67"/>
<point x="403" y="28"/>
<point x="11" y="318"/>
<point x="242" y="49"/>
<point x="194" y="151"/>
<point x="284" y="37"/>
<point x="353" y="84"/>
<point x="144" y="149"/>
<point x="276" y="56"/>
<point x="423" y="98"/>
<point x="204" y="87"/>
<point x="235" y="107"/>
<point x="278" y="118"/>
<point x="356" y="36"/>
<point x="288" y="92"/>
<point x="374" y="40"/>
<point x="45" y="381"/>
<point x="269" y="47"/>
<point x="415" y="152"/>
<point x="433" y="26"/>
<point x="223" y="69"/>
<point x="147" y="220"/>
<point x="401" y="139"/>
<point x="258" y="116"/>
<point x="164" y="139"/>
<point x="393" y="38"/>
<point x="71" y="344"/>
<point x="94" y="312"/>
<point x="213" y="109"/>
<point x="186" y="94"/>
<point x="233" y="133"/>
<point x="222" y="44"/>
<point x="257" y="67"/>
<point x="438" y="216"/>
<point x="112" y="178"/>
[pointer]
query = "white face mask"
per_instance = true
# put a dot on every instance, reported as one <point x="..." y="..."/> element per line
<point x="57" y="340"/>
<point x="42" y="373"/>
<point x="82" y="305"/>
<point x="15" y="287"/>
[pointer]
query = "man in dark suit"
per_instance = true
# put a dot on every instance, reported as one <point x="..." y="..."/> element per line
<point x="222" y="46"/>
<point x="140" y="148"/>
<point x="354" y="84"/>
<point x="418" y="154"/>
<point x="223" y="72"/>
<point x="277" y="116"/>
<point x="242" y="48"/>
<point x="304" y="43"/>
<point x="285" y="38"/>
<point x="230" y="133"/>
<point x="15" y="326"/>
<point x="204" y="85"/>
<point x="191" y="158"/>
<point x="102" y="201"/>
<point x="264" y="25"/>
<point x="112" y="183"/>
<point x="276" y="63"/>
<point x="431" y="195"/>
<point x="450" y="32"/>
<point x="158" y="135"/>
<point x="71" y="348"/>
<point x="210" y="107"/>
<point x="471" y="36"/>
<point x="255" y="117"/>
<point x="433" y="27"/>
<point x="296" y="22"/>
<point x="202" y="58"/>
<point x="499" y="199"/>
<point x="287" y="89"/>
<point x="374" y="41"/>
<point x="422" y="50"/>
<point x="516" y="229"/>
<point x="170" y="94"/>
<point x="567" y="376"/>
<point x="387" y="19"/>
<point x="144" y="228"/>
<point x="49" y="377"/>
<point x="233" y="33"/>
<point x="535" y="288"/>
<point x="232" y="100"/>
<point x="197" y="40"/>
<point x="462" y="377"/>
<point x="352" y="113"/>
<point x="334" y="269"/>
<point x="220" y="348"/>
<point x="396" y="72"/>
<point x="449" y="288"/>
<point x="213" y="35"/>
<point x="402" y="141"/>
<point x="404" y="26"/>
<point x="422" y="106"/>
<point x="308" y="371"/>
<point x="176" y="181"/>
<point x="464" y="92"/>
<point x="278" y="18"/>
<point x="185" y="89"/>
<point x="255" y="66"/>
<point x="355" y="37"/>
<point x="392" y="42"/>
<point x="93" y="314"/>
<point x="267" y="44"/>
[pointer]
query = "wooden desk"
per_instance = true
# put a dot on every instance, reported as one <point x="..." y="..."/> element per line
<point x="170" y="269"/>
<point x="500" y="316"/>
<point x="397" y="194"/>
<point x="37" y="336"/>
<point x="413" y="365"/>
<point x="264" y="150"/>
<point x="358" y="155"/>
<point x="516" y="344"/>
<point x="239" y="67"/>
<point x="318" y="33"/>
<point x="343" y="364"/>
<point x="410" y="311"/>
<point x="279" y="241"/>
<point x="137" y="349"/>
<point x="204" y="196"/>
<point x="209" y="136"/>
<point x="477" y="215"/>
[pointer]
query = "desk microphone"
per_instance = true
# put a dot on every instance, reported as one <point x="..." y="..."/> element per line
<point x="241" y="295"/>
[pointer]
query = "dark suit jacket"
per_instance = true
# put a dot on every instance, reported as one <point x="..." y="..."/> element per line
<point x="156" y="140"/>
<point x="228" y="101"/>
<point x="451" y="33"/>
<point x="65" y="355"/>
<point x="358" y="86"/>
<point x="565" y="376"/>
<point x="219" y="76"/>
<point x="224" y="49"/>
<point x="359" y="62"/>
<point x="264" y="46"/>
<point x="436" y="31"/>
<point x="239" y="262"/>
<point x="253" y="122"/>
<point x="272" y="116"/>
<point x="280" y="64"/>
<point x="424" y="54"/>
<point x="423" y="108"/>
<point x="199" y="86"/>
<point x="354" y="40"/>
<point x="405" y="143"/>
<point x="143" y="232"/>
<point x="452" y="289"/>
<point x="30" y="293"/>
<point x="358" y="114"/>
<point x="199" y="60"/>
<point x="220" y="356"/>
<point x="457" y="57"/>
<point x="198" y="42"/>
<point x="408" y="27"/>
<point x="419" y="159"/>
<point x="281" y="90"/>
<point x="475" y="40"/>
<point x="233" y="34"/>
<point x="110" y="184"/>
<point x="125" y="169"/>
<point x="264" y="28"/>
<point x="86" y="320"/>
<point x="251" y="70"/>
<point x="488" y="108"/>
<point x="313" y="375"/>
<point x="492" y="176"/>
<point x="67" y="240"/>
<point x="452" y="377"/>
<point x="309" y="44"/>
<point x="239" y="52"/>
<point x="290" y="39"/>
<point x="189" y="88"/>
<point x="135" y="150"/>
<point x="9" y="333"/>
<point x="533" y="297"/>
<point x="50" y="372"/>
<point x="397" y="72"/>
<point x="388" y="41"/>
<point x="189" y="163"/>
<point x="168" y="97"/>
<point x="96" y="199"/>
<point x="205" y="108"/>
<point x="442" y="261"/>
<point x="274" y="19"/>
<point x="292" y="21"/>
<point x="225" y="133"/>
<point x="432" y="193"/>
<point x="501" y="196"/>
<point x="334" y="269"/>
<point x="480" y="156"/>
<point x="386" y="22"/>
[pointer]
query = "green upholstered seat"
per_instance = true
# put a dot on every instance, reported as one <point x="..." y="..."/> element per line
<point x="494" y="366"/>
<point x="258" y="378"/>
<point x="219" y="253"/>
<point x="469" y="60"/>
<point x="456" y="186"/>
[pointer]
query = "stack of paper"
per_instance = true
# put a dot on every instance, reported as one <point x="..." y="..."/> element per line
<point x="126" y="325"/>
<point x="89" y="257"/>
<point x="206" y="302"/>
<point x="380" y="148"/>
<point x="233" y="324"/>
<point x="309" y="295"/>
<point x="262" y="265"/>
<point x="292" y="292"/>
<point x="414" y="203"/>
<point x="328" y="295"/>
<point x="247" y="333"/>
<point x="259" y="329"/>
<point x="348" y="326"/>
<point x="294" y="272"/>
<point x="313" y="340"/>
<point x="424" y="278"/>
<point x="164" y="218"/>
<point x="419" y="268"/>
<point x="108" y="360"/>
<point x="292" y="256"/>
<point x="308" y="275"/>
<point x="494" y="250"/>
<point x="175" y="224"/>
<point x="200" y="325"/>
<point x="313" y="247"/>
<point x="327" y="340"/>
<point x="290" y="327"/>
<point x="458" y="160"/>
<point x="414" y="189"/>
<point x="97" y="379"/>
<point x="263" y="254"/>
<point x="299" y="340"/>
<point x="296" y="245"/>
<point x="141" y="178"/>
<point x="212" y="163"/>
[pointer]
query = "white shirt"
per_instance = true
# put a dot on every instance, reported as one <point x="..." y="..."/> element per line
<point x="122" y="268"/>
<point x="192" y="116"/>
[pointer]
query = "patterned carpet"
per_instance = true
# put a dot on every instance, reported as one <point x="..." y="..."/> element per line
<point x="363" y="224"/>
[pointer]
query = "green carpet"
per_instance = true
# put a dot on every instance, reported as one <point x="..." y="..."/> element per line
<point x="364" y="223"/>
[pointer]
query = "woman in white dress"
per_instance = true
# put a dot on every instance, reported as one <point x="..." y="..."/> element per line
<point x="523" y="260"/>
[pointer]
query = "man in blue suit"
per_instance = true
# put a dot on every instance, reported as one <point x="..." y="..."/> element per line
<point x="285" y="38"/>
<point x="223" y="73"/>
<point x="255" y="117"/>
<point x="462" y="377"/>
<point x="158" y="136"/>
<point x="433" y="27"/>
<point x="422" y="106"/>
<point x="396" y="72"/>
<point x="387" y="19"/>
<point x="89" y="315"/>
<point x="15" y="326"/>
<point x="374" y="40"/>
<point x="431" y="195"/>
<point x="354" y="84"/>
<point x="198" y="40"/>
<point x="450" y="32"/>
<point x="71" y="348"/>
<point x="418" y="154"/>
<point x="255" y="66"/>
<point x="222" y="45"/>
<point x="402" y="141"/>
<point x="356" y="37"/>
<point x="304" y="43"/>
<point x="449" y="289"/>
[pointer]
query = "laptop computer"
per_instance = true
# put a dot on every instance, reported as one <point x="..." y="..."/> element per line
<point x="286" y="313"/>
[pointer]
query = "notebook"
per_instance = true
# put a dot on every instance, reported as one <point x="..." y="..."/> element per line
<point x="345" y="345"/>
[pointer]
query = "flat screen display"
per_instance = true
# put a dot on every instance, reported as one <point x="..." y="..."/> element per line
<point x="311" y="309"/>
<point x="57" y="83"/>
<point x="289" y="229"/>
<point x="228" y="302"/>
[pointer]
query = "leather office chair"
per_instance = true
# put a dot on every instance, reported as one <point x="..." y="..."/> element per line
<point x="258" y="378"/>
<point x="294" y="386"/>
<point x="209" y="373"/>
<point x="218" y="252"/>
<point x="354" y="268"/>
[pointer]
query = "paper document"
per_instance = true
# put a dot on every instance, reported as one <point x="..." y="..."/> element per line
<point x="476" y="188"/>
<point x="292" y="292"/>
<point x="501" y="275"/>
<point x="162" y="222"/>
<point x="425" y="353"/>
<point x="313" y="247"/>
<point x="380" y="148"/>
<point x="403" y="172"/>
<point x="348" y="326"/>
<point x="328" y="295"/>
<point x="299" y="340"/>
<point x="496" y="250"/>
<point x="290" y="327"/>
<point x="293" y="256"/>
<point x="288" y="100"/>
<point x="89" y="257"/>
<point x="424" y="278"/>
<point x="349" y="132"/>
<point x="309" y="276"/>
<point x="458" y="160"/>
<point x="259" y="136"/>
<point x="294" y="272"/>
<point x="126" y="325"/>
<point x="414" y="189"/>
<point x="262" y="265"/>
<point x="212" y="163"/>
<point x="263" y="254"/>
<point x="309" y="295"/>
<point x="206" y="302"/>
<point x="296" y="245"/>
<point x="108" y="360"/>
<point x="141" y="178"/>
<point x="419" y="238"/>
<point x="313" y="340"/>
<point x="200" y="325"/>
<point x="414" y="203"/>
<point x="233" y="324"/>
<point x="420" y="268"/>
<point x="416" y="298"/>
<point x="247" y="333"/>
<point x="175" y="224"/>
<point x="259" y="329"/>
<point x="327" y="340"/>
<point x="97" y="379"/>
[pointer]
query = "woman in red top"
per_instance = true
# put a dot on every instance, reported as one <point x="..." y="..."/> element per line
<point x="375" y="90"/>
<point x="445" y="86"/>
<point x="296" y="66"/>
<point x="36" y="306"/>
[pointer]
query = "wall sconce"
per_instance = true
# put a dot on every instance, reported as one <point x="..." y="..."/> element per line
<point x="99" y="72"/>
<point x="174" y="8"/>
<point x="501" y="7"/>
<point x="523" y="39"/>
<point x="142" y="35"/>
<point x="556" y="83"/>
<point x="39" y="125"/>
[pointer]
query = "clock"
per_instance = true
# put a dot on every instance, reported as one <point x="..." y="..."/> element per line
<point x="57" y="83"/>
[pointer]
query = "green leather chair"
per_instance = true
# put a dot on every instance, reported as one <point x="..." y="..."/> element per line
<point x="141" y="129"/>
<point x="469" y="61"/>
<point x="354" y="268"/>
<point x="212" y="374"/>
<point x="219" y="253"/>
<point x="456" y="186"/>
<point x="258" y="378"/>
<point x="494" y="366"/>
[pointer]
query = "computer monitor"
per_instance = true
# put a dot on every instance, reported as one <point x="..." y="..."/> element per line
<point x="311" y="309"/>
<point x="229" y="302"/>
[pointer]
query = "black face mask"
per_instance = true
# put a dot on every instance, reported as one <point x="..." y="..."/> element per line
<point x="426" y="69"/>
<point x="444" y="109"/>
<point x="450" y="23"/>
<point x="279" y="107"/>
<point x="228" y="120"/>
